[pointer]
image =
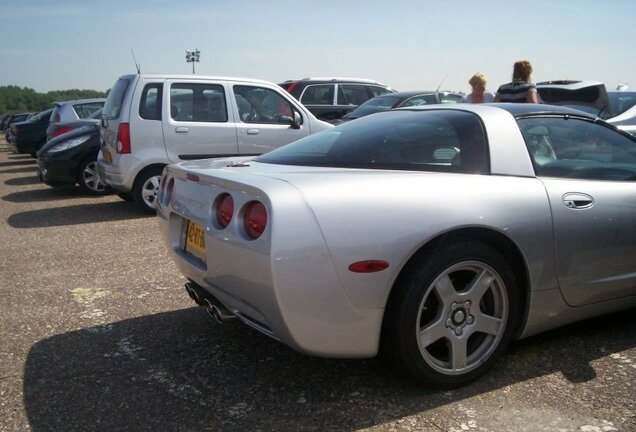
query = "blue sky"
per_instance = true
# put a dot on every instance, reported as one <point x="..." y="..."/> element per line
<point x="407" y="44"/>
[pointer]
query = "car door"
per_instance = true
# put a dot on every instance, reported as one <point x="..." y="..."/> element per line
<point x="589" y="172"/>
<point x="197" y="122"/>
<point x="265" y="119"/>
<point x="320" y="99"/>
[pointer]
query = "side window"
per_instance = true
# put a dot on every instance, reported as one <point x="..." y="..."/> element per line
<point x="578" y="149"/>
<point x="150" y="103"/>
<point x="419" y="100"/>
<point x="319" y="94"/>
<point x="262" y="105"/>
<point x="354" y="94"/>
<point x="198" y="103"/>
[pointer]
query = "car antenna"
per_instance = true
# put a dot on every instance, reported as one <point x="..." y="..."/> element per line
<point x="442" y="82"/>
<point x="136" y="64"/>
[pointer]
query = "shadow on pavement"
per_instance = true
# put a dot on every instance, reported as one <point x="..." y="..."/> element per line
<point x="180" y="371"/>
<point x="30" y="169"/>
<point x="75" y="214"/>
<point x="46" y="193"/>
<point x="18" y="162"/>
<point x="23" y="181"/>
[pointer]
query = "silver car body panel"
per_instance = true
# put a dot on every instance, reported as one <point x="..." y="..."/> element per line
<point x="293" y="283"/>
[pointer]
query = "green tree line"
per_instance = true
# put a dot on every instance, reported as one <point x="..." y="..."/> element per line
<point x="14" y="98"/>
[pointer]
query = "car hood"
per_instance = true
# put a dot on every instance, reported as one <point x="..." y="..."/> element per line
<point x="590" y="94"/>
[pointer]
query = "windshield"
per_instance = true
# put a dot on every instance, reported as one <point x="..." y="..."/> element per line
<point x="431" y="140"/>
<point x="374" y="105"/>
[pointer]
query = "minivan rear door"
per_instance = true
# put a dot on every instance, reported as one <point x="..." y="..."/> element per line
<point x="197" y="122"/>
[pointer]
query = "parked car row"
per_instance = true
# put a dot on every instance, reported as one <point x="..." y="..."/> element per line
<point x="435" y="232"/>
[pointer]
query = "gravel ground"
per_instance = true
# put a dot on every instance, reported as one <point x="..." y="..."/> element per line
<point x="98" y="334"/>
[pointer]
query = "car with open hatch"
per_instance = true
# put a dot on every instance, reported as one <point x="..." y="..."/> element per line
<point x="433" y="234"/>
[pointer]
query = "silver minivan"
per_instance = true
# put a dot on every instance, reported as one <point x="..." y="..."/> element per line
<point x="150" y="121"/>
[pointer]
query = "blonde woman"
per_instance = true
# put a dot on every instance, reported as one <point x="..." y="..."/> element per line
<point x="478" y="93"/>
<point x="521" y="89"/>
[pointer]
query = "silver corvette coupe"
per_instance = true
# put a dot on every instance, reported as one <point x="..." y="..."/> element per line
<point x="435" y="234"/>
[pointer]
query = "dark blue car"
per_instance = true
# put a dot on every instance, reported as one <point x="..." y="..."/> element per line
<point x="70" y="159"/>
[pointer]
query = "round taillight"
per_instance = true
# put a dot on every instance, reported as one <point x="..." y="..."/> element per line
<point x="255" y="219"/>
<point x="224" y="209"/>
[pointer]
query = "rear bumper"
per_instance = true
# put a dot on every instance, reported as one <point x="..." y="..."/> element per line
<point x="60" y="169"/>
<point x="112" y="177"/>
<point x="294" y="296"/>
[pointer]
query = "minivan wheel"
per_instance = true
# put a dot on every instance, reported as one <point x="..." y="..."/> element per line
<point x="146" y="188"/>
<point x="453" y="314"/>
<point x="89" y="180"/>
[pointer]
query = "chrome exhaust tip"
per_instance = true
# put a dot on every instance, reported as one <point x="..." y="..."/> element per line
<point x="221" y="314"/>
<point x="194" y="294"/>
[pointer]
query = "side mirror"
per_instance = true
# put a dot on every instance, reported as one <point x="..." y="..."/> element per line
<point x="297" y="120"/>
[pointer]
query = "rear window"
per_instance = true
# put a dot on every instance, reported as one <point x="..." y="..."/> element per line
<point x="86" y="110"/>
<point x="432" y="140"/>
<point x="115" y="99"/>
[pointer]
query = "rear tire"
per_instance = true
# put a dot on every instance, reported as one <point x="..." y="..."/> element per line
<point x="89" y="180"/>
<point x="452" y="314"/>
<point x="146" y="188"/>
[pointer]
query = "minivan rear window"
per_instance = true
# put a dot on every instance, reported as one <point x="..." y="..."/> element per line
<point x="115" y="99"/>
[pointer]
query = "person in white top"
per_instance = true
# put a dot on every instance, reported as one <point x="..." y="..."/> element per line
<point x="479" y="93"/>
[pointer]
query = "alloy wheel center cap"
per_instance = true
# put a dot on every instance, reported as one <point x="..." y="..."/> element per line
<point x="459" y="317"/>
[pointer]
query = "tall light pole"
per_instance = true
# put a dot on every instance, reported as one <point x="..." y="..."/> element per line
<point x="192" y="57"/>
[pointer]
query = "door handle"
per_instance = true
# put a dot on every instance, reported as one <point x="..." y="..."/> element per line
<point x="578" y="200"/>
<point x="182" y="129"/>
<point x="253" y="131"/>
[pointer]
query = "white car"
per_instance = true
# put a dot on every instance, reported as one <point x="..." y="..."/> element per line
<point x="150" y="121"/>
<point x="616" y="107"/>
<point x="437" y="233"/>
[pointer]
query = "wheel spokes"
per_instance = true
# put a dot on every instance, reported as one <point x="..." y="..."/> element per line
<point x="445" y="290"/>
<point x="487" y="324"/>
<point x="459" y="355"/>
<point x="480" y="285"/>
<point x="462" y="317"/>
<point x="433" y="333"/>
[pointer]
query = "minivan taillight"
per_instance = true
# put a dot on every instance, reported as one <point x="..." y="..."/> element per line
<point x="123" y="138"/>
<point x="255" y="219"/>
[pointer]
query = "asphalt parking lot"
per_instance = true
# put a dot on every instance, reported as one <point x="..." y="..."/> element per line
<point x="98" y="334"/>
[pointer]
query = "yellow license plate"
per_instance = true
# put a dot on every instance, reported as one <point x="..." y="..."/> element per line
<point x="195" y="237"/>
<point x="107" y="157"/>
